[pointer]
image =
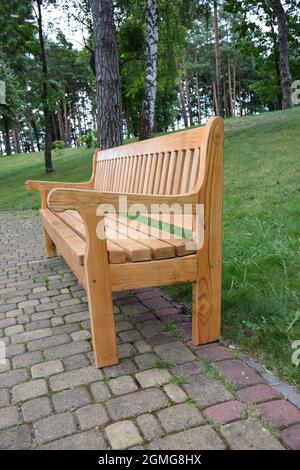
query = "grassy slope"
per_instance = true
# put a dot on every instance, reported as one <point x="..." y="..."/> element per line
<point x="261" y="262"/>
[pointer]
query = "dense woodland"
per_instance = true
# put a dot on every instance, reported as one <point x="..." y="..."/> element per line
<point x="145" y="66"/>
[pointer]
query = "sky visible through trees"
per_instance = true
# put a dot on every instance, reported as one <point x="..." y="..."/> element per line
<point x="196" y="77"/>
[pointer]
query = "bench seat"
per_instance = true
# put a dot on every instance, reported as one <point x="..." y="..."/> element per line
<point x="121" y="248"/>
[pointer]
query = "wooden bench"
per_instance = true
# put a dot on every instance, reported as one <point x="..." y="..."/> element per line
<point x="184" y="168"/>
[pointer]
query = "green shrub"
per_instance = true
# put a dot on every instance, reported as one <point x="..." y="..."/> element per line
<point x="58" y="146"/>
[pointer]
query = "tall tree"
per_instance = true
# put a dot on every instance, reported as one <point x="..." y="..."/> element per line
<point x="220" y="108"/>
<point x="285" y="75"/>
<point x="108" y="89"/>
<point x="148" y="109"/>
<point x="45" y="91"/>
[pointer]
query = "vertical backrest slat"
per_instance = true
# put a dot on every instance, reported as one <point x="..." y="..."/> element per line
<point x="178" y="172"/>
<point x="152" y="173"/>
<point x="171" y="172"/>
<point x="142" y="175"/>
<point x="186" y="174"/>
<point x="158" y="173"/>
<point x="164" y="174"/>
<point x="138" y="173"/>
<point x="195" y="169"/>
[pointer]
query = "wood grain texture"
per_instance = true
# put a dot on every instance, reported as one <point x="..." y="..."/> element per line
<point x="153" y="273"/>
<point x="99" y="292"/>
<point x="207" y="287"/>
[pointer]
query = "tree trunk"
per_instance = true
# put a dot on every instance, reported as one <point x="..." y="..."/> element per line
<point x="231" y="101"/>
<point x="60" y="122"/>
<point x="234" y="87"/>
<point x="109" y="105"/>
<point x="6" y="136"/>
<point x="276" y="54"/>
<point x="45" y="94"/>
<point x="187" y="88"/>
<point x="148" y="108"/>
<point x="66" y="124"/>
<point x="17" y="142"/>
<point x="286" y="78"/>
<point x="215" y="95"/>
<point x="182" y="98"/>
<point x="78" y="120"/>
<point x="30" y="136"/>
<point x="225" y="99"/>
<point x="198" y="91"/>
<point x="220" y="109"/>
<point x="36" y="134"/>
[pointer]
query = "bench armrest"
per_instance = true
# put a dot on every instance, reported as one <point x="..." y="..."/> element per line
<point x="85" y="201"/>
<point x="45" y="186"/>
<point x="49" y="185"/>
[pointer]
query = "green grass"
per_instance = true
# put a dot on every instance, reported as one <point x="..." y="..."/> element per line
<point x="261" y="263"/>
<point x="73" y="165"/>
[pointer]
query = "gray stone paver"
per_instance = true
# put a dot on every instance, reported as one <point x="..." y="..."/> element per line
<point x="52" y="397"/>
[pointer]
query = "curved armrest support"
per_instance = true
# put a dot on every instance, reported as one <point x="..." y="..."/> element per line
<point x="87" y="201"/>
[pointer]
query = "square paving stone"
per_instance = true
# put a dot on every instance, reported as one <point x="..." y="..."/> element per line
<point x="153" y="377"/>
<point x="38" y="408"/>
<point x="177" y="353"/>
<point x="130" y="336"/>
<point x="189" y="368"/>
<point x="13" y="377"/>
<point x="180" y="417"/>
<point x="239" y="374"/>
<point x="206" y="390"/>
<point x="4" y="397"/>
<point x="136" y="403"/>
<point x="201" y="438"/>
<point x="15" y="438"/>
<point x="126" y="350"/>
<point x="149" y="426"/>
<point x="91" y="416"/>
<point x="45" y="369"/>
<point x="175" y="393"/>
<point x="9" y="416"/>
<point x="249" y="435"/>
<point x="146" y="361"/>
<point x="73" y="378"/>
<point x="122" y="385"/>
<point x="100" y="391"/>
<point x="126" y="366"/>
<point x="33" y="389"/>
<point x="291" y="437"/>
<point x="123" y="434"/>
<point x="27" y="359"/>
<point x="78" y="361"/>
<point x="150" y="327"/>
<point x="54" y="427"/>
<point x="69" y="399"/>
<point x="257" y="393"/>
<point x="281" y="413"/>
<point x="225" y="412"/>
<point x="215" y="353"/>
<point x="90" y="440"/>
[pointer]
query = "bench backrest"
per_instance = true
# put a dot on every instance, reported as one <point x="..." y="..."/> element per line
<point x="163" y="165"/>
<point x="169" y="164"/>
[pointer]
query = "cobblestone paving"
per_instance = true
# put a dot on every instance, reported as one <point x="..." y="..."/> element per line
<point x="164" y="394"/>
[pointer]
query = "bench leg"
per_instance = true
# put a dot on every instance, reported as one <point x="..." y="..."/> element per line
<point x="98" y="286"/>
<point x="206" y="319"/>
<point x="102" y="325"/>
<point x="50" y="247"/>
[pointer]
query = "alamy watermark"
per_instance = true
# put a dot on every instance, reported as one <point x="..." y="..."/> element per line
<point x="159" y="221"/>
<point x="2" y="92"/>
<point x="296" y="92"/>
<point x="296" y="353"/>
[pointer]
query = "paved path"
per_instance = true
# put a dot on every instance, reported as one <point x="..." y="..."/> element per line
<point x="164" y="394"/>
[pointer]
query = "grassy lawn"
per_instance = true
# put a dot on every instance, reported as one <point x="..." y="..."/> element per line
<point x="261" y="262"/>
